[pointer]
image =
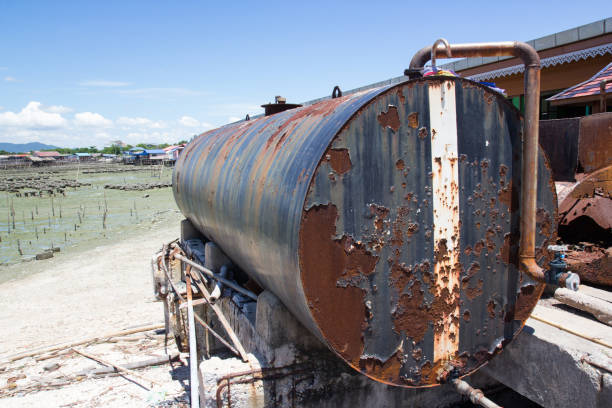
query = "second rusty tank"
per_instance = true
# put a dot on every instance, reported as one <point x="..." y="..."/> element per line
<point x="387" y="221"/>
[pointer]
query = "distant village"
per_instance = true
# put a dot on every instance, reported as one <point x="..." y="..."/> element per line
<point x="120" y="152"/>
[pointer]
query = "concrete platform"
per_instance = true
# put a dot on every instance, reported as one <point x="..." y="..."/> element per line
<point x="555" y="368"/>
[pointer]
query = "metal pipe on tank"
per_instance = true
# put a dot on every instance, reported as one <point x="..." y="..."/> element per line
<point x="529" y="174"/>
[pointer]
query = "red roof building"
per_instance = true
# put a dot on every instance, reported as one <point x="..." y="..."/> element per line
<point x="52" y="154"/>
<point x="584" y="92"/>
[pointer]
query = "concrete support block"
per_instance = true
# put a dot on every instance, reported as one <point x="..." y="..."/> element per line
<point x="288" y="366"/>
<point x="546" y="364"/>
<point x="277" y="326"/>
<point x="214" y="257"/>
<point x="188" y="231"/>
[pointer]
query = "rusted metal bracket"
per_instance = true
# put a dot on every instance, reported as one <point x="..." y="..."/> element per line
<point x="238" y="350"/>
<point x="529" y="171"/>
<point x="336" y="93"/>
<point x="224" y="322"/>
<point x="216" y="276"/>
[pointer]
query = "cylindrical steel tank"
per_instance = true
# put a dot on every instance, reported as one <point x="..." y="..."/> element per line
<point x="387" y="221"/>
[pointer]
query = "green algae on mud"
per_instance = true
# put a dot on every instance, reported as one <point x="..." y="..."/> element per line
<point x="81" y="218"/>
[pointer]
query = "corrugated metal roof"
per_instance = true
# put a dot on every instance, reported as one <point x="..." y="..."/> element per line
<point x="589" y="87"/>
<point x="155" y="151"/>
<point x="47" y="154"/>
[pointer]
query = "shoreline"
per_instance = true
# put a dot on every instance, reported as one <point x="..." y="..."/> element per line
<point x="82" y="292"/>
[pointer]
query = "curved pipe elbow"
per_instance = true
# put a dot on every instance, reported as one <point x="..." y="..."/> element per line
<point x="529" y="265"/>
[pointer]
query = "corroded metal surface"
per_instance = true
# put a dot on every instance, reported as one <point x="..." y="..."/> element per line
<point x="590" y="197"/>
<point x="386" y="221"/>
<point x="593" y="265"/>
<point x="595" y="143"/>
<point x="559" y="139"/>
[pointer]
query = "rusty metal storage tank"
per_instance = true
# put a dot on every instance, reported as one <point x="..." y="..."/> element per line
<point x="387" y="221"/>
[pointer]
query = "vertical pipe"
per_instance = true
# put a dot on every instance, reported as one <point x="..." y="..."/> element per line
<point x="529" y="171"/>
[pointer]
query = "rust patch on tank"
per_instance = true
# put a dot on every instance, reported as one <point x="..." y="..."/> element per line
<point x="324" y="261"/>
<point x="339" y="160"/>
<point x="490" y="234"/>
<point x="491" y="309"/>
<point x="472" y="292"/>
<point x="526" y="301"/>
<point x="400" y="165"/>
<point x="509" y="196"/>
<point x="466" y="316"/>
<point x="400" y="95"/>
<point x="509" y="250"/>
<point x="411" y="315"/>
<point x="390" y="118"/>
<point x="478" y="247"/>
<point x="423" y="133"/>
<point x="387" y="371"/>
<point x="543" y="219"/>
<point x="413" y="120"/>
<point x="381" y="214"/>
<point x="400" y="276"/>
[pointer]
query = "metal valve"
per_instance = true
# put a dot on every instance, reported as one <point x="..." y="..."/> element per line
<point x="557" y="274"/>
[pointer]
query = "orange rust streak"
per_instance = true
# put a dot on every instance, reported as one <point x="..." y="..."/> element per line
<point x="445" y="177"/>
<point x="339" y="311"/>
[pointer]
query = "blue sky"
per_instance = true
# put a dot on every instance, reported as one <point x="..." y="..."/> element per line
<point x="79" y="73"/>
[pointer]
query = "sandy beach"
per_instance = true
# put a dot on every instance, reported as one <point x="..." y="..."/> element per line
<point x="100" y="290"/>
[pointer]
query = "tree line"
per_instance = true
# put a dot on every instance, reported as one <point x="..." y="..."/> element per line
<point x="114" y="149"/>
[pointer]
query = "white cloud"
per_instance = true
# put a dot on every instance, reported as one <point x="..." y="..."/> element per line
<point x="57" y="109"/>
<point x="104" y="84"/>
<point x="188" y="121"/>
<point x="11" y="79"/>
<point x="50" y="124"/>
<point x="90" y="119"/>
<point x="133" y="121"/>
<point x="127" y="122"/>
<point x="32" y="117"/>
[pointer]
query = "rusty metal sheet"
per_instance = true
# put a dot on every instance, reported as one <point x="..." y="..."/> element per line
<point x="595" y="143"/>
<point x="386" y="221"/>
<point x="590" y="197"/>
<point x="593" y="264"/>
<point x="559" y="139"/>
